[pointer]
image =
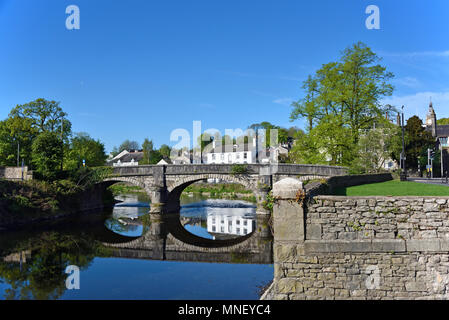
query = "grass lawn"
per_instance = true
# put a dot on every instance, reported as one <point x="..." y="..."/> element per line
<point x="394" y="188"/>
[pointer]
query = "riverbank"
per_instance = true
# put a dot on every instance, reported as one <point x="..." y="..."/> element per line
<point x="26" y="203"/>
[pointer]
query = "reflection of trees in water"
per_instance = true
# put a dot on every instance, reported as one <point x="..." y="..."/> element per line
<point x="43" y="275"/>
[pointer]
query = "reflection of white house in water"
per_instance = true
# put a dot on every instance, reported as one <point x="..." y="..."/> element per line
<point x="230" y="224"/>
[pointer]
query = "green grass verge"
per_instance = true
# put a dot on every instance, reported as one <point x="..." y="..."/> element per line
<point x="394" y="188"/>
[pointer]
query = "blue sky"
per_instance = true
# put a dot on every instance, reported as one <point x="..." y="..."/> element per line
<point x="142" y="68"/>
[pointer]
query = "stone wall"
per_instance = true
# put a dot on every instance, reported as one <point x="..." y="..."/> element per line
<point x="359" y="247"/>
<point x="335" y="182"/>
<point x="351" y="218"/>
<point x="15" y="173"/>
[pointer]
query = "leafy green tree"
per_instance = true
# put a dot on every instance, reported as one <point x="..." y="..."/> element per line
<point x="147" y="150"/>
<point x="205" y="139"/>
<point x="45" y="116"/>
<point x="341" y="100"/>
<point x="155" y="157"/>
<point x="15" y="134"/>
<point x="83" y="147"/>
<point x="443" y="121"/>
<point x="374" y="149"/>
<point x="47" y="149"/>
<point x="418" y="140"/>
<point x="24" y="123"/>
<point x="129" y="145"/>
<point x="165" y="151"/>
<point x="282" y="133"/>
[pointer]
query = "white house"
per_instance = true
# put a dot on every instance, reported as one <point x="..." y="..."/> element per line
<point x="223" y="224"/>
<point x="240" y="153"/>
<point x="126" y="158"/>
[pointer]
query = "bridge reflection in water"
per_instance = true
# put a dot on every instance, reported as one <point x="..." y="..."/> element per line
<point x="165" y="238"/>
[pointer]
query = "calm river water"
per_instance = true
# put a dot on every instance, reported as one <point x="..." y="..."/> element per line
<point x="120" y="257"/>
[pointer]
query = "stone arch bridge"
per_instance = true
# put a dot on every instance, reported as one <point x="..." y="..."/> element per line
<point x="165" y="183"/>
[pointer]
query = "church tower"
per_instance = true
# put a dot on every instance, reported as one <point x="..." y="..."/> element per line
<point x="431" y="120"/>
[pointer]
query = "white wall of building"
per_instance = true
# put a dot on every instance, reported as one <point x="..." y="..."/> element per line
<point x="230" y="224"/>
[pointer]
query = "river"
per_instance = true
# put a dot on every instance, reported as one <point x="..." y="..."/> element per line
<point x="123" y="257"/>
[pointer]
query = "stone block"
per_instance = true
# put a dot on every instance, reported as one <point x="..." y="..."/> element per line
<point x="288" y="221"/>
<point x="428" y="245"/>
<point x="431" y="207"/>
<point x="287" y="188"/>
<point x="387" y="245"/>
<point x="313" y="231"/>
<point x="284" y="252"/>
<point x="289" y="285"/>
<point x="416" y="286"/>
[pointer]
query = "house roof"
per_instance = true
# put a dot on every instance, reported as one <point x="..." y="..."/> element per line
<point x="443" y="130"/>
<point x="137" y="156"/>
<point x="164" y="161"/>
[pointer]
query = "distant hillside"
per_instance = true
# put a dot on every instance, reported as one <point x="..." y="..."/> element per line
<point x="443" y="121"/>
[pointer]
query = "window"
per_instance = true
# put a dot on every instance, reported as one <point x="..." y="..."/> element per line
<point x="238" y="230"/>
<point x="245" y="231"/>
<point x="238" y="222"/>
<point x="237" y="156"/>
<point x="245" y="222"/>
<point x="213" y="228"/>
<point x="213" y="156"/>
<point x="222" y="229"/>
<point x="229" y="228"/>
<point x="245" y="155"/>
<point x="230" y="222"/>
<point x="213" y="220"/>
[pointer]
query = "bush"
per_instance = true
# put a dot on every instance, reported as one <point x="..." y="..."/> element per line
<point x="239" y="169"/>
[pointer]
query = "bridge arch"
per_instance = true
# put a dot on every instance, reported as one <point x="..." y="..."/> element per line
<point x="177" y="186"/>
<point x="135" y="182"/>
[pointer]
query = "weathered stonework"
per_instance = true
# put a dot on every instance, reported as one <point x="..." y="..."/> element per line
<point x="360" y="247"/>
<point x="16" y="173"/>
<point x="165" y="183"/>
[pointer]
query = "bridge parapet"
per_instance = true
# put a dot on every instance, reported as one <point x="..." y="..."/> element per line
<point x="280" y="168"/>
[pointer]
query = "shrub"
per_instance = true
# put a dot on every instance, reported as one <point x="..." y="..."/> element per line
<point x="239" y="169"/>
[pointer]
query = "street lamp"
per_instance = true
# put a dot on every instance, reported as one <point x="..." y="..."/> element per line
<point x="62" y="143"/>
<point x="443" y="142"/>
<point x="403" y="175"/>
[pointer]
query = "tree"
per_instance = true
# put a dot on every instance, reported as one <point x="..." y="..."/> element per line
<point x="341" y="100"/>
<point x="165" y="151"/>
<point x="47" y="154"/>
<point x="44" y="116"/>
<point x="282" y="133"/>
<point x="205" y="139"/>
<point x="129" y="145"/>
<point x="147" y="149"/>
<point x="155" y="157"/>
<point x="443" y="121"/>
<point x="25" y="123"/>
<point x="83" y="147"/>
<point x="374" y="148"/>
<point x="16" y="134"/>
<point x="418" y="140"/>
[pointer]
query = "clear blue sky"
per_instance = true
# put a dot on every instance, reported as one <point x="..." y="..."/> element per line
<point x="141" y="68"/>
